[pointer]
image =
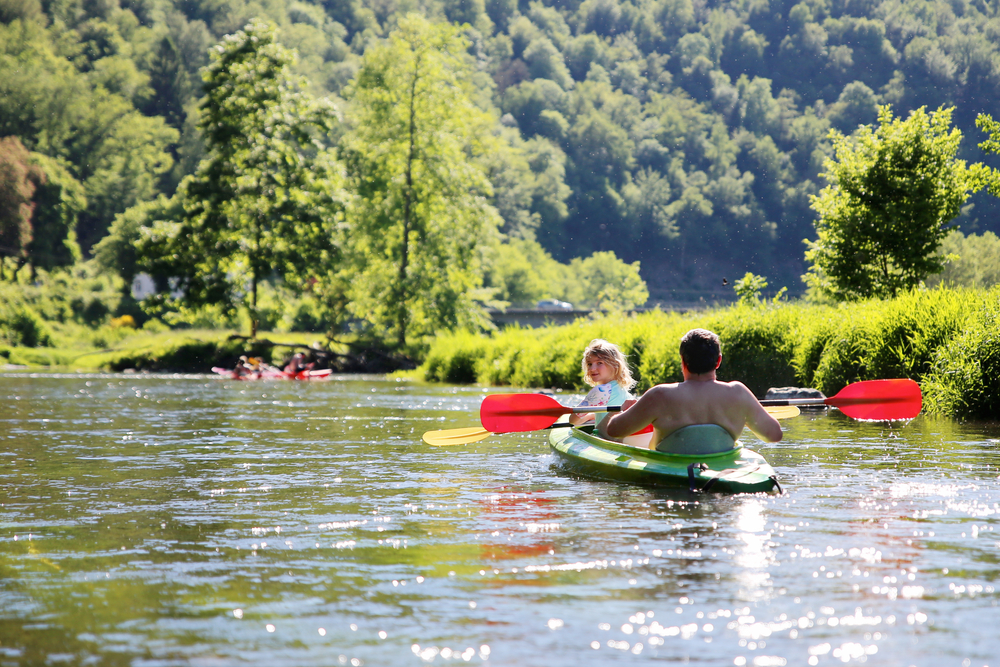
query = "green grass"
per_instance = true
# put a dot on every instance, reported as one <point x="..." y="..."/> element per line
<point x="179" y="351"/>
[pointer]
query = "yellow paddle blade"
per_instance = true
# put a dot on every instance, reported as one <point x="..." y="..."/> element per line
<point x="456" y="436"/>
<point x="782" y="411"/>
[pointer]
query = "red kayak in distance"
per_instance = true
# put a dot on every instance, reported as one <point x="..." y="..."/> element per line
<point x="273" y="374"/>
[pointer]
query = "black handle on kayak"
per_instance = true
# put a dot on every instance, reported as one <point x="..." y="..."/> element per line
<point x="584" y="409"/>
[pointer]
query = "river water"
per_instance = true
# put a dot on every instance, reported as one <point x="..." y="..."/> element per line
<point x="166" y="520"/>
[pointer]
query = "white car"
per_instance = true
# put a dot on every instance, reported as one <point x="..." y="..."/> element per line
<point x="553" y="304"/>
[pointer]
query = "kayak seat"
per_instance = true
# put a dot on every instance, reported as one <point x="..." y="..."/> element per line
<point x="697" y="439"/>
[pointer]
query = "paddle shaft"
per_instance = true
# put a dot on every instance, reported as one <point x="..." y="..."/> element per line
<point x="833" y="401"/>
<point x="557" y="412"/>
<point x="794" y="401"/>
<point x="872" y="400"/>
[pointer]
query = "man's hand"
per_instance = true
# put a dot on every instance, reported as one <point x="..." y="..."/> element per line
<point x="602" y="428"/>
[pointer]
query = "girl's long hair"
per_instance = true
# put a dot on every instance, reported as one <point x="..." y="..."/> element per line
<point x="612" y="356"/>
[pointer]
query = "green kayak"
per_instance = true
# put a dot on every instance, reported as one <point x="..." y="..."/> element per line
<point x="735" y="470"/>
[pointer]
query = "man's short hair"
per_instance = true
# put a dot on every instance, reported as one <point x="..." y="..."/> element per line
<point x="700" y="350"/>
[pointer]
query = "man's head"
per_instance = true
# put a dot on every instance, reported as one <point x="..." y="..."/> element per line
<point x="700" y="351"/>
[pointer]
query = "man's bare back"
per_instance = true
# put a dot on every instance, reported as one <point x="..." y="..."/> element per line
<point x="700" y="399"/>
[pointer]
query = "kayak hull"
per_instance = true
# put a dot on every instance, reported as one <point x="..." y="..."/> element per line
<point x="736" y="471"/>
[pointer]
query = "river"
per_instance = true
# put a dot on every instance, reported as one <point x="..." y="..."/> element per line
<point x="191" y="520"/>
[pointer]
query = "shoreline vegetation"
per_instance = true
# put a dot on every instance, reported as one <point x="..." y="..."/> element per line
<point x="946" y="339"/>
<point x="198" y="350"/>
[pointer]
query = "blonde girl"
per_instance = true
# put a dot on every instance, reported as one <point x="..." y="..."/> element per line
<point x="606" y="370"/>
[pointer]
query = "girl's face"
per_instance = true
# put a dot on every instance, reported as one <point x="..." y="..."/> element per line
<point x="599" y="371"/>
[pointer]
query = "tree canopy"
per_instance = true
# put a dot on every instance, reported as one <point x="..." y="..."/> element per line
<point x="892" y="191"/>
<point x="264" y="201"/>
<point x="686" y="135"/>
<point x="414" y="158"/>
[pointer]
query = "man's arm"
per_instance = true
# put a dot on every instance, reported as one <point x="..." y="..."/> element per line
<point x="635" y="415"/>
<point x="759" y="421"/>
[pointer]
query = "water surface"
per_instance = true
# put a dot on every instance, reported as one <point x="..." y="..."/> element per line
<point x="167" y="520"/>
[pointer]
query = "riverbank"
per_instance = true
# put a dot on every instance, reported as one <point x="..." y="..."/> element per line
<point x="197" y="351"/>
<point x="947" y="340"/>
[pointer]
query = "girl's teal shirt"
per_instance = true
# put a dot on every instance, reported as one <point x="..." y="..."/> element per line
<point x="610" y="393"/>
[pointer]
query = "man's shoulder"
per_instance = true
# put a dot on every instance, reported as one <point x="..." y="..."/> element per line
<point x="735" y="384"/>
<point x="739" y="392"/>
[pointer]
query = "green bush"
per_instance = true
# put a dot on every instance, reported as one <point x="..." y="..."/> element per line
<point x="893" y="338"/>
<point x="22" y="326"/>
<point x="758" y="345"/>
<point x="458" y="367"/>
<point x="964" y="380"/>
<point x="306" y="314"/>
<point x="921" y="334"/>
<point x="550" y="357"/>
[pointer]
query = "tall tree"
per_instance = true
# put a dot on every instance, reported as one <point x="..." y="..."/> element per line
<point x="421" y="209"/>
<point x="59" y="200"/>
<point x="892" y="190"/>
<point x="18" y="180"/>
<point x="264" y="202"/>
<point x="168" y="81"/>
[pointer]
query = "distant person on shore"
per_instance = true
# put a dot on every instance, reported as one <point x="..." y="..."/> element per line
<point x="606" y="370"/>
<point x="699" y="399"/>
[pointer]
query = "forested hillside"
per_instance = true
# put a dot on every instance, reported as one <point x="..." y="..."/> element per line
<point x="685" y="134"/>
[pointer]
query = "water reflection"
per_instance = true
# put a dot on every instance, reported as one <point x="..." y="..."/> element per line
<point x="179" y="519"/>
<point x="754" y="554"/>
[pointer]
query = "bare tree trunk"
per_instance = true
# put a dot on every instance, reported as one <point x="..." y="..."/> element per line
<point x="407" y="206"/>
<point x="253" y="279"/>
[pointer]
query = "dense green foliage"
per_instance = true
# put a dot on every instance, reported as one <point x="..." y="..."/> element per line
<point x="414" y="157"/>
<point x="945" y="338"/>
<point x="688" y="135"/>
<point x="963" y="381"/>
<point x="882" y="217"/>
<point x="970" y="261"/>
<point x="73" y="80"/>
<point x="521" y="272"/>
<point x="264" y="201"/>
<point x="68" y="315"/>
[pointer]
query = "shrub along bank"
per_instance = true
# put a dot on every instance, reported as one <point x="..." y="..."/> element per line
<point x="946" y="339"/>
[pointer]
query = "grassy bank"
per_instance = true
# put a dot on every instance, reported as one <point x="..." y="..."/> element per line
<point x="189" y="350"/>
<point x="948" y="340"/>
<point x="79" y="319"/>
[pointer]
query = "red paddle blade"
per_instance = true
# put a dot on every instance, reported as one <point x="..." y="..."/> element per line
<point x="511" y="413"/>
<point x="879" y="400"/>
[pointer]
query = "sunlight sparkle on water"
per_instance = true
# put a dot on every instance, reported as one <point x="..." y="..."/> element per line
<point x="493" y="551"/>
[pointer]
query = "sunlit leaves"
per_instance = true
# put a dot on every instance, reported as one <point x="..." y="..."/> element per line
<point x="265" y="201"/>
<point x="422" y="194"/>
<point x="892" y="190"/>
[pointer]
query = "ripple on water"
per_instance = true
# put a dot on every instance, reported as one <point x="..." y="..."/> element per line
<point x="181" y="519"/>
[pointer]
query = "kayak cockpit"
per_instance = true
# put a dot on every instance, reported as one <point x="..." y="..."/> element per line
<point x="697" y="439"/>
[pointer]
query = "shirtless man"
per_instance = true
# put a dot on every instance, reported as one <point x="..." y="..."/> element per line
<point x="699" y="399"/>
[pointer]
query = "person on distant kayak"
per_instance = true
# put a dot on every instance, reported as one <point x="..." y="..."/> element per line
<point x="606" y="370"/>
<point x="243" y="368"/>
<point x="297" y="364"/>
<point x="699" y="399"/>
